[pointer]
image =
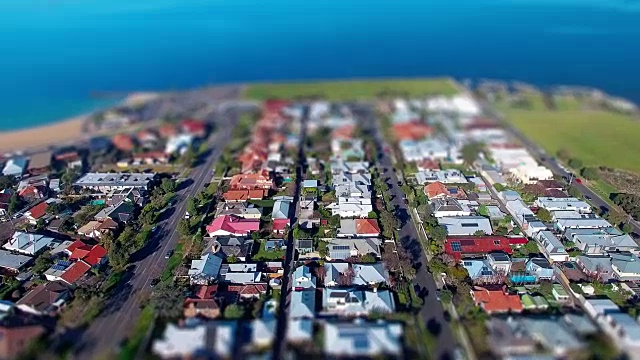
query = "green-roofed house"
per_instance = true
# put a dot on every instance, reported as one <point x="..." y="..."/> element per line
<point x="534" y="302"/>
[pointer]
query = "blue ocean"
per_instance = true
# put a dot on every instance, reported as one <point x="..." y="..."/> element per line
<point x="56" y="54"/>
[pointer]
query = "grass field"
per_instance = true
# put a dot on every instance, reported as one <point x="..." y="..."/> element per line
<point x="352" y="90"/>
<point x="595" y="137"/>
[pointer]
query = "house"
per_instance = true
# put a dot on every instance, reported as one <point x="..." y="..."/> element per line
<point x="601" y="241"/>
<point x="348" y="207"/>
<point x="67" y="271"/>
<point x="106" y="182"/>
<point x="559" y="293"/>
<point x="530" y="270"/>
<point x="193" y="127"/>
<point x="37" y="212"/>
<point x="248" y="291"/>
<point x="304" y="246"/>
<point x="123" y="142"/>
<point x="281" y="207"/>
<point x="526" y="336"/>
<point x="557" y="204"/>
<point x="303" y="279"/>
<point x="347" y="274"/>
<point x="354" y="302"/>
<point x="13" y="263"/>
<point x="120" y="213"/>
<point x="233" y="196"/>
<point x="45" y="299"/>
<point x="341" y="249"/>
<point x="40" y="163"/>
<point x="431" y="148"/>
<point x="150" y="158"/>
<point x="551" y="246"/>
<point x="626" y="266"/>
<point x="239" y="273"/>
<point x="91" y="229"/>
<point x="411" y="130"/>
<point x="239" y="209"/>
<point x="147" y="138"/>
<point x="534" y="302"/>
<point x="540" y="268"/>
<point x="15" y="167"/>
<point x="17" y="332"/>
<point x="205" y="270"/>
<point x="70" y="157"/>
<point x="261" y="332"/>
<point x="466" y="225"/>
<point x="31" y="193"/>
<point x="342" y="166"/>
<point x="227" y="246"/>
<point x="28" y="244"/>
<point x="428" y="164"/>
<point x="620" y="326"/>
<point x="310" y="184"/>
<point x="258" y="181"/>
<point x="530" y="173"/>
<point x="436" y="189"/>
<point x="228" y="225"/>
<point x="303" y="304"/>
<point x="496" y="300"/>
<point x="202" y="339"/>
<point x="300" y="331"/>
<point x="178" y="144"/>
<point x="93" y="255"/>
<point x="586" y="222"/>
<point x="471" y="246"/>
<point x="448" y="207"/>
<point x="449" y="176"/>
<point x="597" y="267"/>
<point x="363" y="228"/>
<point x="363" y="339"/>
<point x="203" y="304"/>
<point x="5" y="200"/>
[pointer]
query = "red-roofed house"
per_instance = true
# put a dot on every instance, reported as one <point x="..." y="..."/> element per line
<point x="203" y="304"/>
<point x="280" y="226"/>
<point x="123" y="142"/>
<point x="75" y="272"/>
<point x="37" y="212"/>
<point x="274" y="107"/>
<point x="466" y="246"/>
<point x="243" y="195"/>
<point x="196" y="128"/>
<point x="343" y="133"/>
<point x="248" y="291"/>
<point x="167" y="131"/>
<point x="151" y="157"/>
<point x="428" y="164"/>
<point x="496" y="300"/>
<point x="31" y="193"/>
<point x="259" y="181"/>
<point x="91" y="254"/>
<point x="518" y="241"/>
<point x="226" y="225"/>
<point x="436" y="189"/>
<point x="367" y="227"/>
<point x="411" y="131"/>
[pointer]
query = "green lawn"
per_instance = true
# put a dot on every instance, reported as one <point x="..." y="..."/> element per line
<point x="603" y="188"/>
<point x="173" y="263"/>
<point x="595" y="137"/>
<point x="140" y="329"/>
<point x="352" y="90"/>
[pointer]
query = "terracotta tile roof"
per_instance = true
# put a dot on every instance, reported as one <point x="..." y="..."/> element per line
<point x="243" y="195"/>
<point x="123" y="142"/>
<point x="29" y="191"/>
<point x="493" y="301"/>
<point x="251" y="289"/>
<point x="194" y="127"/>
<point x="167" y="131"/>
<point x="251" y="181"/>
<point x="75" y="272"/>
<point x="39" y="210"/>
<point x="344" y="132"/>
<point x="411" y="131"/>
<point x="205" y="291"/>
<point x="436" y="189"/>
<point x="91" y="254"/>
<point x="428" y="164"/>
<point x="367" y="226"/>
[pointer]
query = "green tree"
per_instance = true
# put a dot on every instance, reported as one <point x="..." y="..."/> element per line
<point x="544" y="215"/>
<point x="531" y="247"/>
<point x="232" y="259"/>
<point x="42" y="263"/>
<point x="188" y="159"/>
<point x="367" y="259"/>
<point x="574" y="192"/>
<point x="166" y="300"/>
<point x="563" y="154"/>
<point x="471" y="151"/>
<point x="118" y="256"/>
<point x="192" y="208"/>
<point x="479" y="233"/>
<point x="438" y="233"/>
<point x="372" y="215"/>
<point x="627" y="228"/>
<point x="233" y="312"/>
<point x="334" y="220"/>
<point x="15" y="204"/>
<point x="576" y="163"/>
<point x="7" y="182"/>
<point x="590" y="173"/>
<point x="184" y="228"/>
<point x="168" y="185"/>
<point x="69" y="177"/>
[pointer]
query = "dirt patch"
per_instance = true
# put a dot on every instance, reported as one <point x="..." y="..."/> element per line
<point x="624" y="181"/>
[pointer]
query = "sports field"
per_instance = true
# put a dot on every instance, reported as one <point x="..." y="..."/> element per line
<point x="352" y="90"/>
<point x="595" y="137"/>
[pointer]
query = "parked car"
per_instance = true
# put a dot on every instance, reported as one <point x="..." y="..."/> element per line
<point x="578" y="181"/>
<point x="168" y="254"/>
<point x="154" y="282"/>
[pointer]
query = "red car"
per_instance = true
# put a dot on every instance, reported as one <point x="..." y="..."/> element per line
<point x="578" y="181"/>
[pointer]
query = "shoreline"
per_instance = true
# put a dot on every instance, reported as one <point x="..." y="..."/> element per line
<point x="63" y="131"/>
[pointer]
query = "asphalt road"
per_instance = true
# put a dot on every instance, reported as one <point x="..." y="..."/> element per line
<point x="432" y="312"/>
<point x="116" y="322"/>
<point x="550" y="162"/>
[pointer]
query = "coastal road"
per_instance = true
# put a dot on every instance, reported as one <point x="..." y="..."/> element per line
<point x="550" y="162"/>
<point x="432" y="312"/>
<point x="119" y="317"/>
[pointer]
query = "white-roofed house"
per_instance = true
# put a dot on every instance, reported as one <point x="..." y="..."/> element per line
<point x="363" y="339"/>
<point x="346" y="274"/>
<point x="466" y="225"/>
<point x="213" y="339"/>
<point x="551" y="247"/>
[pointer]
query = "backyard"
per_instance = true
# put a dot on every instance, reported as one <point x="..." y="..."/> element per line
<point x="352" y="90"/>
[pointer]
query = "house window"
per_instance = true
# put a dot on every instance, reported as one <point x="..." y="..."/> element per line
<point x="467" y="263"/>
<point x="496" y="242"/>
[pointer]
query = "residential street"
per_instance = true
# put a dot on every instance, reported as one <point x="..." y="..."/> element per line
<point x="117" y="320"/>
<point x="432" y="312"/>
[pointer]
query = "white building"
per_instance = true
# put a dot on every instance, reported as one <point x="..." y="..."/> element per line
<point x="551" y="246"/>
<point x="563" y="204"/>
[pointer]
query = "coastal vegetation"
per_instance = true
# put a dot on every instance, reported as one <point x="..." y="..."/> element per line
<point x="352" y="90"/>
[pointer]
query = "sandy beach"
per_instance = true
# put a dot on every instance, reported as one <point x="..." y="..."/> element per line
<point x="56" y="133"/>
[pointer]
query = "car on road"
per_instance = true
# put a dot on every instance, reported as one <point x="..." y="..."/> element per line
<point x="187" y="215"/>
<point x="438" y="295"/>
<point x="587" y="197"/>
<point x="154" y="282"/>
<point x="399" y="183"/>
<point x="578" y="181"/>
<point x="168" y="254"/>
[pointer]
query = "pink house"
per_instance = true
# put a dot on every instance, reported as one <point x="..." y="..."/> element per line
<point x="280" y="225"/>
<point x="227" y="225"/>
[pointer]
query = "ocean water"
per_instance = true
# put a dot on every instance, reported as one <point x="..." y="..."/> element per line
<point x="55" y="53"/>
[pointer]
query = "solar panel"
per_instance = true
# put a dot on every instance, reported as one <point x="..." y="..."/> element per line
<point x="469" y="224"/>
<point x="361" y="342"/>
<point x="467" y="263"/>
<point x="341" y="247"/>
<point x="455" y="246"/>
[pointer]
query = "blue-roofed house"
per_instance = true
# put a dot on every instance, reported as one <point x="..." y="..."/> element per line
<point x="205" y="270"/>
<point x="303" y="304"/>
<point x="275" y="245"/>
<point x="479" y="270"/>
<point x="28" y="244"/>
<point x="626" y="266"/>
<point x="99" y="144"/>
<point x="354" y="302"/>
<point x="363" y="339"/>
<point x="15" y="166"/>
<point x="310" y="184"/>
<point x="347" y="274"/>
<point x="303" y="278"/>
